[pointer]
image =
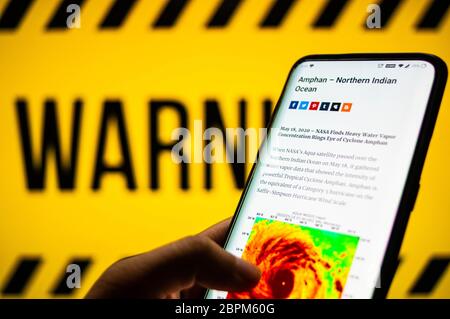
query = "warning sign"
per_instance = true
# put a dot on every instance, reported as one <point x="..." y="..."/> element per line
<point x="92" y="90"/>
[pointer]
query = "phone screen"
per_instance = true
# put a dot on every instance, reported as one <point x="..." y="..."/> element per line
<point x="319" y="208"/>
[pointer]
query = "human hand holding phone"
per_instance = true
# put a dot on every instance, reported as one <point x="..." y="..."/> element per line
<point x="182" y="269"/>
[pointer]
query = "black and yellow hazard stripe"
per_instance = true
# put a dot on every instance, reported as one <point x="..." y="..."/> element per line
<point x="26" y="268"/>
<point x="120" y="10"/>
<point x="21" y="275"/>
<point x="430" y="276"/>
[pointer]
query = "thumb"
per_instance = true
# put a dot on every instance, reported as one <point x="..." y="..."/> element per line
<point x="209" y="265"/>
<point x="195" y="260"/>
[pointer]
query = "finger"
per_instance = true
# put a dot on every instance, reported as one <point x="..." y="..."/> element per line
<point x="181" y="265"/>
<point x="199" y="260"/>
<point x="218" y="269"/>
<point x="218" y="234"/>
<point x="218" y="231"/>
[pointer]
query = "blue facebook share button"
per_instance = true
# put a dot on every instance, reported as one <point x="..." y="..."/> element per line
<point x="293" y="105"/>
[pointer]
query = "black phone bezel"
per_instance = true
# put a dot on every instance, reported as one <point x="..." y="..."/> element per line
<point x="411" y="188"/>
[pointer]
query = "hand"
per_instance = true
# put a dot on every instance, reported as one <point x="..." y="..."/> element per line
<point x="182" y="269"/>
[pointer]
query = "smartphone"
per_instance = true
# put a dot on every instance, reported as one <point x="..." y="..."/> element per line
<point x="326" y="205"/>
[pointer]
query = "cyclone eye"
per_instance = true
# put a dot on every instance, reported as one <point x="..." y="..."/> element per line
<point x="297" y="261"/>
<point x="281" y="283"/>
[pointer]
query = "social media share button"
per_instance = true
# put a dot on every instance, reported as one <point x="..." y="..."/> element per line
<point x="314" y="106"/>
<point x="303" y="105"/>
<point x="293" y="105"/>
<point x="335" y="106"/>
<point x="324" y="106"/>
<point x="346" y="107"/>
<point x="321" y="106"/>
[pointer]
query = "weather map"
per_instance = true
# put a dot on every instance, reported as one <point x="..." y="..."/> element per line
<point x="297" y="261"/>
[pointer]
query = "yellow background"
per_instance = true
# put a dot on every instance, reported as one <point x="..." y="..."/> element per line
<point x="190" y="63"/>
